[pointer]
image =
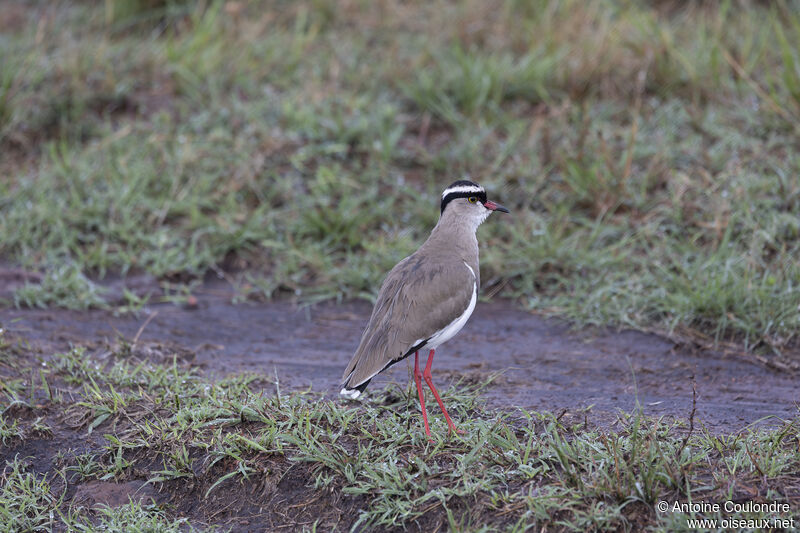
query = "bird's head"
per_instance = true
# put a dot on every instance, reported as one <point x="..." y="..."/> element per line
<point x="466" y="199"/>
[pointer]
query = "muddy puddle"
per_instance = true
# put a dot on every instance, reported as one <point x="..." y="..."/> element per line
<point x="543" y="364"/>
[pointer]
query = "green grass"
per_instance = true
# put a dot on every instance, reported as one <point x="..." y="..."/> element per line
<point x="28" y="503"/>
<point x="240" y="443"/>
<point x="648" y="152"/>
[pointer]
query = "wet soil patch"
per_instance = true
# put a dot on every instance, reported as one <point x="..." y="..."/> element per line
<point x="585" y="377"/>
<point x="539" y="363"/>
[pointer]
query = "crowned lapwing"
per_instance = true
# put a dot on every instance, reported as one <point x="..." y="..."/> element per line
<point x="427" y="297"/>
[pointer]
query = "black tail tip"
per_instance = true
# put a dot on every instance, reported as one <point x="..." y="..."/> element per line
<point x="353" y="392"/>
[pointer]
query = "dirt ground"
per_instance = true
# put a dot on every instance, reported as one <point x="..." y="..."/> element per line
<point x="544" y="364"/>
<point x="587" y="375"/>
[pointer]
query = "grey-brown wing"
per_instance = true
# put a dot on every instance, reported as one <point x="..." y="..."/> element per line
<point x="416" y="300"/>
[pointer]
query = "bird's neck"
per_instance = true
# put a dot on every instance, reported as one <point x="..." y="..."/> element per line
<point x="457" y="235"/>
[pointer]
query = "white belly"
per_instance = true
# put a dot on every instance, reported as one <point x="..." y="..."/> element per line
<point x="449" y="331"/>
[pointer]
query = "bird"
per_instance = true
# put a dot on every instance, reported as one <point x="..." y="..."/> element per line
<point x="426" y="298"/>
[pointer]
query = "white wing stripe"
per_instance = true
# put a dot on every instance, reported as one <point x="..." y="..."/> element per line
<point x="470" y="269"/>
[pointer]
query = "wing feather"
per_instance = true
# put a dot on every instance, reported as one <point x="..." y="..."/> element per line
<point x="416" y="300"/>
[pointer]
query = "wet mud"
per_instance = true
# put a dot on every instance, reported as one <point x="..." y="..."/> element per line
<point x="539" y="363"/>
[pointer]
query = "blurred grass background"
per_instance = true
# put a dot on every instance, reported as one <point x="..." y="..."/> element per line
<point x="648" y="151"/>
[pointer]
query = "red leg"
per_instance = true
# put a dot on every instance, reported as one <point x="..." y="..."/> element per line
<point x="429" y="381"/>
<point x="418" y="380"/>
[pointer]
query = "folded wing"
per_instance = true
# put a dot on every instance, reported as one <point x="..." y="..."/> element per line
<point x="417" y="299"/>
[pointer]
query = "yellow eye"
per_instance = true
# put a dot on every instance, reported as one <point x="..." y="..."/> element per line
<point x="472" y="199"/>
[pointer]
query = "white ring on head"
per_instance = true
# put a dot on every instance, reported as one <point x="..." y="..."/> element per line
<point x="463" y="188"/>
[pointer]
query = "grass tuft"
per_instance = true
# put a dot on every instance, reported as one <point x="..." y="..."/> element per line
<point x="26" y="500"/>
<point x="237" y="444"/>
<point x="646" y="153"/>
